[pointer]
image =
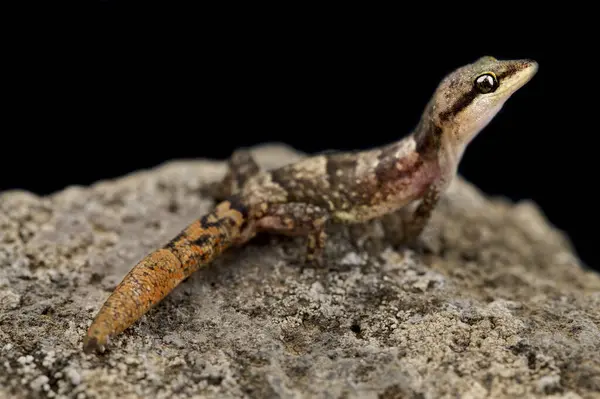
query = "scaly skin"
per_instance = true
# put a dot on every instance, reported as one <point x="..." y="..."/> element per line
<point x="160" y="272"/>
<point x="302" y="198"/>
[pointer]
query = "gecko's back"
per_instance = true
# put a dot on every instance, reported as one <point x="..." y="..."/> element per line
<point x="353" y="187"/>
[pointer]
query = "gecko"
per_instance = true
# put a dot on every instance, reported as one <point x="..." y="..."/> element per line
<point x="304" y="197"/>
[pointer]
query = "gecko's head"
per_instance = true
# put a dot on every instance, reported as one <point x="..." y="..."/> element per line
<point x="467" y="99"/>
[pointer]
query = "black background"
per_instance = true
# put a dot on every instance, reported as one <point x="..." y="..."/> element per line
<point x="95" y="98"/>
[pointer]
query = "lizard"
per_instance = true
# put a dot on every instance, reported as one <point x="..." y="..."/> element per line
<point x="304" y="197"/>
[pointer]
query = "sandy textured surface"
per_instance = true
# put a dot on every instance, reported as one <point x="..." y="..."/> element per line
<point x="500" y="307"/>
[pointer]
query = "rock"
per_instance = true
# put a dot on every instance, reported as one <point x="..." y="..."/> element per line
<point x="499" y="307"/>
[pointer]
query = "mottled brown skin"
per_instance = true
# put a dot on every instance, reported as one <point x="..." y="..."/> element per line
<point x="304" y="197"/>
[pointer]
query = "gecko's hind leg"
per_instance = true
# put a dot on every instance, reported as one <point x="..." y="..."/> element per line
<point x="241" y="166"/>
<point x="298" y="219"/>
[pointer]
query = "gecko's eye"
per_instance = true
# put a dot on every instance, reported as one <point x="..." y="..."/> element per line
<point x="486" y="83"/>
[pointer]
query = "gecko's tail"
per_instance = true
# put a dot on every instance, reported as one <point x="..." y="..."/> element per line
<point x="161" y="271"/>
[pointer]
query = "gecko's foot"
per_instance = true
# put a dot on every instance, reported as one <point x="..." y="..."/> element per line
<point x="313" y="260"/>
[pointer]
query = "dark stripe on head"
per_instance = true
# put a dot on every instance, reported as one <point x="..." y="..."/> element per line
<point x="508" y="72"/>
<point x="513" y="68"/>
<point x="459" y="105"/>
<point x="468" y="97"/>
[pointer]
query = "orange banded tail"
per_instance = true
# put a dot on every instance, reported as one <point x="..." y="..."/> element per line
<point x="155" y="276"/>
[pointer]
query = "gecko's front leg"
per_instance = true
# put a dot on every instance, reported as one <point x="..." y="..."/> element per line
<point x="414" y="225"/>
<point x="297" y="219"/>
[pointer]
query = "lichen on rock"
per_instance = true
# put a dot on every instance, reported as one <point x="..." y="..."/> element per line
<point x="499" y="306"/>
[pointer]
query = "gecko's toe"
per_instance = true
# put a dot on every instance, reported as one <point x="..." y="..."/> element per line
<point x="314" y="260"/>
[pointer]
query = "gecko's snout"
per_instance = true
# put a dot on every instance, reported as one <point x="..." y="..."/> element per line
<point x="531" y="65"/>
<point x="530" y="68"/>
<point x="514" y="74"/>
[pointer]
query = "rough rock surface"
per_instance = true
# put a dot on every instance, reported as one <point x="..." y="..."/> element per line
<point x="499" y="306"/>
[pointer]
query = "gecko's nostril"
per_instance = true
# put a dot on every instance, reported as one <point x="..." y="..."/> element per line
<point x="531" y="64"/>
